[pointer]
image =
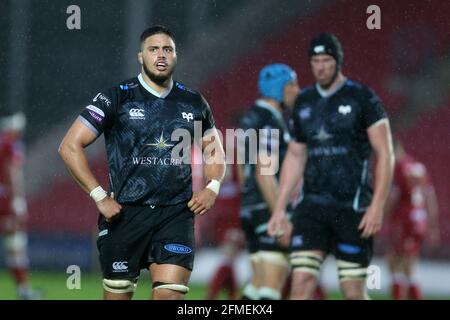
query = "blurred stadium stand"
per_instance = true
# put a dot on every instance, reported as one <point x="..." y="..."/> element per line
<point x="222" y="46"/>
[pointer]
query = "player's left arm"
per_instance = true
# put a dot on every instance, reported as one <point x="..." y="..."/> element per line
<point x="214" y="157"/>
<point x="380" y="138"/>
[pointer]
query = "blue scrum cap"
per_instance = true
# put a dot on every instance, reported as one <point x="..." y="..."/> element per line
<point x="273" y="78"/>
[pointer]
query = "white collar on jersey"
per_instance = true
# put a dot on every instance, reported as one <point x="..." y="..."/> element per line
<point x="265" y="105"/>
<point x="328" y="93"/>
<point x="153" y="91"/>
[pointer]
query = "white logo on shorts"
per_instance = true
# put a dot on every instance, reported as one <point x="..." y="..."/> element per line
<point x="120" y="266"/>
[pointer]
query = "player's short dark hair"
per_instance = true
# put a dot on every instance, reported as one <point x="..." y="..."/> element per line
<point x="156" y="30"/>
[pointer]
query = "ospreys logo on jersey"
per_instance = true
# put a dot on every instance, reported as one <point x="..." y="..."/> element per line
<point x="187" y="116"/>
<point x="345" y="109"/>
<point x="160" y="142"/>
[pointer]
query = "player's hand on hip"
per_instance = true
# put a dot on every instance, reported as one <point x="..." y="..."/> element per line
<point x="202" y="201"/>
<point x="109" y="208"/>
<point x="371" y="222"/>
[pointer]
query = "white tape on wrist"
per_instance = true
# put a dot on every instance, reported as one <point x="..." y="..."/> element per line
<point x="98" y="194"/>
<point x="214" y="186"/>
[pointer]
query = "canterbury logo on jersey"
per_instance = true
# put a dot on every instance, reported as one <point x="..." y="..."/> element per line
<point x="345" y="109"/>
<point x="137" y="114"/>
<point x="120" y="266"/>
<point x="187" y="116"/>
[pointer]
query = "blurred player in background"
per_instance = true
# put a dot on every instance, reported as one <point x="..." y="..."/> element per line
<point x="223" y="227"/>
<point x="278" y="88"/>
<point x="334" y="126"/>
<point x="224" y="277"/>
<point x="148" y="122"/>
<point x="13" y="205"/>
<point x="413" y="215"/>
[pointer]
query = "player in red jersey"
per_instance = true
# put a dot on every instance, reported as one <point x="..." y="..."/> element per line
<point x="413" y="211"/>
<point x="13" y="206"/>
<point x="224" y="277"/>
<point x="221" y="229"/>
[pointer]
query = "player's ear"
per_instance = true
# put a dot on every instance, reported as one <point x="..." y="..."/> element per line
<point x="141" y="61"/>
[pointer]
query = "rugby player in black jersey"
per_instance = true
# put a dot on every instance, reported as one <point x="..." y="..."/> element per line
<point x="335" y="126"/>
<point x="278" y="88"/>
<point x="148" y="123"/>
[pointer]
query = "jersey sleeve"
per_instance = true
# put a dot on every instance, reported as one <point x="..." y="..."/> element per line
<point x="295" y="128"/>
<point x="372" y="108"/>
<point x="98" y="115"/>
<point x="207" y="116"/>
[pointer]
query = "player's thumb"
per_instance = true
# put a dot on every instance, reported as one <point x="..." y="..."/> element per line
<point x="362" y="223"/>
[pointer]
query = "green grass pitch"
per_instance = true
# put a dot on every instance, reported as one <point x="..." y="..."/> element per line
<point x="53" y="287"/>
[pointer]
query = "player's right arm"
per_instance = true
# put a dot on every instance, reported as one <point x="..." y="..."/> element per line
<point x="267" y="165"/>
<point x="291" y="173"/>
<point x="72" y="153"/>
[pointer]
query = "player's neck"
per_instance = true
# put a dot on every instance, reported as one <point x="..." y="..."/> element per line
<point x="330" y="89"/>
<point x="161" y="88"/>
<point x="273" y="103"/>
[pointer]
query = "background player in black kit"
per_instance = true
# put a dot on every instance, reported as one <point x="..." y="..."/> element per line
<point x="278" y="88"/>
<point x="148" y="221"/>
<point x="334" y="125"/>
